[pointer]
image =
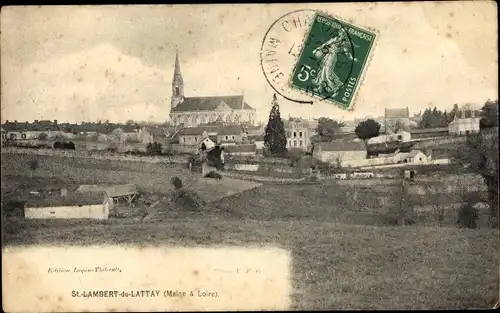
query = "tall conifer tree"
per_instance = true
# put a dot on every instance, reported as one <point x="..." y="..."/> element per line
<point x="275" y="137"/>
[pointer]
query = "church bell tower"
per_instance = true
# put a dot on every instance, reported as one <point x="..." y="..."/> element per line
<point x="177" y="84"/>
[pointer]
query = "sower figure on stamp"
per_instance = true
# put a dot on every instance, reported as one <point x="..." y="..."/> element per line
<point x="327" y="53"/>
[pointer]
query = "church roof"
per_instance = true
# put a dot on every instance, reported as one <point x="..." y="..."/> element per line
<point x="210" y="103"/>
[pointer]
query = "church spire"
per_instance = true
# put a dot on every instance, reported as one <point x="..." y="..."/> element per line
<point x="177" y="83"/>
<point x="177" y="70"/>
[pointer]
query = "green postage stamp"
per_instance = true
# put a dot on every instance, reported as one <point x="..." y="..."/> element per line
<point x="332" y="61"/>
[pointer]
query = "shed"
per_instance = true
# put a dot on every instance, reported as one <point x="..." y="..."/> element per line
<point x="75" y="205"/>
<point x="122" y="193"/>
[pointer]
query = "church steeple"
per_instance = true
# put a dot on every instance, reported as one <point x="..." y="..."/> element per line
<point x="177" y="83"/>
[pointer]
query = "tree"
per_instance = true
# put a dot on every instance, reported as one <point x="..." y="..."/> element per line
<point x="43" y="136"/>
<point x="480" y="154"/>
<point x="489" y="115"/>
<point x="452" y="114"/>
<point x="327" y="128"/>
<point x="153" y="148"/>
<point x="434" y="118"/>
<point x="275" y="137"/>
<point x="367" y="129"/>
<point x="33" y="165"/>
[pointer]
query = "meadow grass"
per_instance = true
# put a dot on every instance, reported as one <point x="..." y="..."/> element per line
<point x="344" y="256"/>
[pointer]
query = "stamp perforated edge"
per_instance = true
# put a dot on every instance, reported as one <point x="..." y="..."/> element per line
<point x="365" y="66"/>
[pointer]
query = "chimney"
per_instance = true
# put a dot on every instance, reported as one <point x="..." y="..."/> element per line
<point x="35" y="121"/>
<point x="55" y="122"/>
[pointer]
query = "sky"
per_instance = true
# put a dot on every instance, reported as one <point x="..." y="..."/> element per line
<point x="90" y="63"/>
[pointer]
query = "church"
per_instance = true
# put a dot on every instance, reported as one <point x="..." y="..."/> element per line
<point x="193" y="111"/>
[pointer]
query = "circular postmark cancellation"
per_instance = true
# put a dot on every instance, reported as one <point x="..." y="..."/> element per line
<point x="309" y="56"/>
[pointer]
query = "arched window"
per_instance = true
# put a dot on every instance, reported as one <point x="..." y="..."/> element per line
<point x="23" y="136"/>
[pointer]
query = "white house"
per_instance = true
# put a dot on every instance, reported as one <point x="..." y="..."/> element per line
<point x="466" y="121"/>
<point x="402" y="136"/>
<point x="340" y="153"/>
<point x="413" y="157"/>
<point x="74" y="205"/>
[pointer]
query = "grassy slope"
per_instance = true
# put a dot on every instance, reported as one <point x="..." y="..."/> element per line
<point x="338" y="261"/>
<point x="335" y="266"/>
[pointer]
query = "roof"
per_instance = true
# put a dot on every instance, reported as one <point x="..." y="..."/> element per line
<point x="55" y="199"/>
<point x="414" y="153"/>
<point x="256" y="137"/>
<point x="26" y="126"/>
<point x="195" y="131"/>
<point x="342" y="145"/>
<point x="160" y="132"/>
<point x="230" y="130"/>
<point x="219" y="130"/>
<point x="210" y="103"/>
<point x="121" y="190"/>
<point x="397" y="113"/>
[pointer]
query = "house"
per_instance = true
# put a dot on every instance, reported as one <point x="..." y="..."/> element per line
<point x="298" y="134"/>
<point x="74" y="205"/>
<point x="466" y="120"/>
<point x="32" y="131"/>
<point x="192" y="135"/>
<point x="413" y="157"/>
<point x="253" y="130"/>
<point x="395" y="119"/>
<point x="400" y="136"/>
<point x="231" y="133"/>
<point x="341" y="153"/>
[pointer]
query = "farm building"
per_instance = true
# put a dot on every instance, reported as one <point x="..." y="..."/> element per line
<point x="74" y="205"/>
<point x="341" y="153"/>
<point x="231" y="133"/>
<point x="119" y="194"/>
<point x="414" y="157"/>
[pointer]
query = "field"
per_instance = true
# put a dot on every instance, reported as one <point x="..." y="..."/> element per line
<point x="344" y="254"/>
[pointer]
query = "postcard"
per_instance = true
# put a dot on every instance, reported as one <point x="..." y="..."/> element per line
<point x="201" y="157"/>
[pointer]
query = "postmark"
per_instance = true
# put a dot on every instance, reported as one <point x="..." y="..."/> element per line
<point x="323" y="57"/>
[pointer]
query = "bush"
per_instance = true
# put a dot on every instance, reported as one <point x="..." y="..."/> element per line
<point x="154" y="148"/>
<point x="467" y="216"/>
<point x="187" y="200"/>
<point x="177" y="182"/>
<point x="34" y="164"/>
<point x="213" y="174"/>
<point x="312" y="178"/>
<point x="13" y="208"/>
